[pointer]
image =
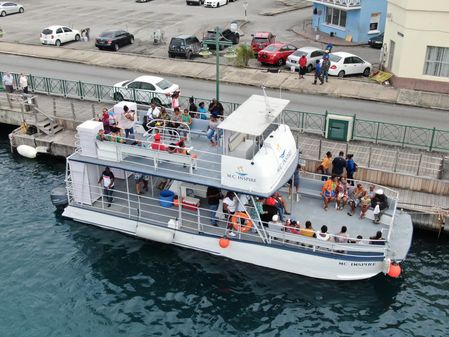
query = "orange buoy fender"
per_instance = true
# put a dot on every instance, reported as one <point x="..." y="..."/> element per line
<point x="395" y="270"/>
<point x="224" y="242"/>
<point x="235" y="221"/>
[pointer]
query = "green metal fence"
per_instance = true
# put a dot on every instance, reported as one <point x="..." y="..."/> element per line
<point x="431" y="139"/>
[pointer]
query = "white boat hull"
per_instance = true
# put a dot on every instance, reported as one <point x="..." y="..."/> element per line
<point x="323" y="266"/>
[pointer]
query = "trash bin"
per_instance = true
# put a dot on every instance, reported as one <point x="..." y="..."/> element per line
<point x="166" y="198"/>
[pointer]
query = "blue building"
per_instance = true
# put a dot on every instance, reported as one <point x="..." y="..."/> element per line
<point x="353" y="20"/>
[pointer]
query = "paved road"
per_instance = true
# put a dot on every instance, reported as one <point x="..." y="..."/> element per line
<point x="235" y="93"/>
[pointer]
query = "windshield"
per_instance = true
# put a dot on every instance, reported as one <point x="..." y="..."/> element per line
<point x="47" y="31"/>
<point x="107" y="34"/>
<point x="299" y="53"/>
<point x="164" y="84"/>
<point x="271" y="48"/>
<point x="177" y="42"/>
<point x="260" y="40"/>
<point x="334" y="58"/>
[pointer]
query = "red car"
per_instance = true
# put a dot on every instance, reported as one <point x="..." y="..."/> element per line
<point x="276" y="53"/>
<point x="261" y="40"/>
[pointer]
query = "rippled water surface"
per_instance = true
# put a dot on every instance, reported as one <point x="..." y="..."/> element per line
<point x="62" y="278"/>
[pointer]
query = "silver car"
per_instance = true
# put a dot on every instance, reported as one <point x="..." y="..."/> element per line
<point x="311" y="53"/>
<point x="10" y="8"/>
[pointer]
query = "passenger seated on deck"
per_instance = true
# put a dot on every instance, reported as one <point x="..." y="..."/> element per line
<point x="342" y="237"/>
<point x="115" y="136"/>
<point x="328" y="191"/>
<point x="275" y="224"/>
<point x="157" y="145"/>
<point x="377" y="239"/>
<point x="355" y="196"/>
<point x="342" y="193"/>
<point x="323" y="235"/>
<point x="280" y="205"/>
<point x="101" y="136"/>
<point x="308" y="231"/>
<point x="186" y="122"/>
<point x="365" y="203"/>
<point x="292" y="226"/>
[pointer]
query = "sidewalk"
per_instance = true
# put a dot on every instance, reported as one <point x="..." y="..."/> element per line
<point x="286" y="80"/>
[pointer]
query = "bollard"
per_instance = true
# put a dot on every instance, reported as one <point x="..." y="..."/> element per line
<point x="72" y="106"/>
<point x="54" y="106"/>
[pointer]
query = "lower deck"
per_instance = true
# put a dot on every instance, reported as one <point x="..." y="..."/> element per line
<point x="307" y="206"/>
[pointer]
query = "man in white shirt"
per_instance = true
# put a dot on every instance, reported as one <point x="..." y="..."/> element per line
<point x="8" y="82"/>
<point x="23" y="81"/>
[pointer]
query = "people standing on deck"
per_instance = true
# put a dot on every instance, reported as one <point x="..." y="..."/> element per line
<point x="328" y="191"/>
<point x="127" y="121"/>
<point x="107" y="178"/>
<point x="138" y="179"/>
<point x="379" y="203"/>
<point x="351" y="168"/>
<point x="213" y="195"/>
<point x="229" y="208"/>
<point x="193" y="109"/>
<point x="175" y="100"/>
<point x="186" y="120"/>
<point x="324" y="167"/>
<point x="295" y="181"/>
<point x="339" y="164"/>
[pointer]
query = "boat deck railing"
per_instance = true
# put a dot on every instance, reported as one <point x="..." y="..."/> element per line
<point x="149" y="210"/>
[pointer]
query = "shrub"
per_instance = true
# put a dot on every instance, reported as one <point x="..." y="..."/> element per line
<point x="244" y="54"/>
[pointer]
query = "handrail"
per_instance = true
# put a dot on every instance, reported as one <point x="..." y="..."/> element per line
<point x="333" y="247"/>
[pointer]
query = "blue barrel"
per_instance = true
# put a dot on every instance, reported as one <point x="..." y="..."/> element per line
<point x="166" y="198"/>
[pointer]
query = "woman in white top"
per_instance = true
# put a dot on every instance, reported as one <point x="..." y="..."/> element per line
<point x="23" y="81"/>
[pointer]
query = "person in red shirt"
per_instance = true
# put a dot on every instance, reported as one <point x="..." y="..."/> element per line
<point x="302" y="66"/>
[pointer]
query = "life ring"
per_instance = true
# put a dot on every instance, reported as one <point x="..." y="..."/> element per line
<point x="235" y="221"/>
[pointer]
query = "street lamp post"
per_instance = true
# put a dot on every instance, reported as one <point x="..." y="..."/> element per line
<point x="245" y="7"/>
<point x="217" y="44"/>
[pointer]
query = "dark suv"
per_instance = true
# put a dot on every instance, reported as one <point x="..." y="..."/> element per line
<point x="184" y="45"/>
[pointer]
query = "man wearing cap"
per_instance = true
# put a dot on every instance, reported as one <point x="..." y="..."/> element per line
<point x="379" y="203"/>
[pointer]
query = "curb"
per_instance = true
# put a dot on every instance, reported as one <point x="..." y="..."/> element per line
<point x="308" y="37"/>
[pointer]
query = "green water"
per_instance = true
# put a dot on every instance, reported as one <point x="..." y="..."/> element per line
<point x="62" y="278"/>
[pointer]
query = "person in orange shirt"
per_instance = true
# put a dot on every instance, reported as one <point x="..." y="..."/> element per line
<point x="328" y="191"/>
<point x="308" y="231"/>
<point x="325" y="166"/>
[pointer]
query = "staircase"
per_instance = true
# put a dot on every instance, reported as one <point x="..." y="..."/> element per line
<point x="44" y="123"/>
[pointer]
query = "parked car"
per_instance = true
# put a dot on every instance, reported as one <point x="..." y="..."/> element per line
<point x="275" y="53"/>
<point x="142" y="1"/>
<point x="311" y="53"/>
<point x="162" y="88"/>
<point x="225" y="35"/>
<point x="195" y="2"/>
<point x="376" y="41"/>
<point x="215" y="3"/>
<point x="113" y="39"/>
<point x="261" y="40"/>
<point x="57" y="35"/>
<point x="343" y="64"/>
<point x="10" y="8"/>
<point x="184" y="45"/>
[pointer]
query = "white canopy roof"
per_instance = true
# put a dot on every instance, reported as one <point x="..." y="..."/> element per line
<point x="255" y="115"/>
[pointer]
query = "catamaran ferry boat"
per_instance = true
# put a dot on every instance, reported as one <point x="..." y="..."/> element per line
<point x="255" y="157"/>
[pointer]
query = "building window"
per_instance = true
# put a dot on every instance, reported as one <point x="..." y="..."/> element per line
<point x="437" y="62"/>
<point x="374" y="22"/>
<point x="336" y="17"/>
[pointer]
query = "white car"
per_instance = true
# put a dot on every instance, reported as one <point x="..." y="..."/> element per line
<point x="215" y="3"/>
<point x="163" y="89"/>
<point x="312" y="54"/>
<point x="57" y="35"/>
<point x="10" y="8"/>
<point x="343" y="64"/>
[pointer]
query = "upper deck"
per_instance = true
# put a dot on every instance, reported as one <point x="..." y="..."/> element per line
<point x="253" y="155"/>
